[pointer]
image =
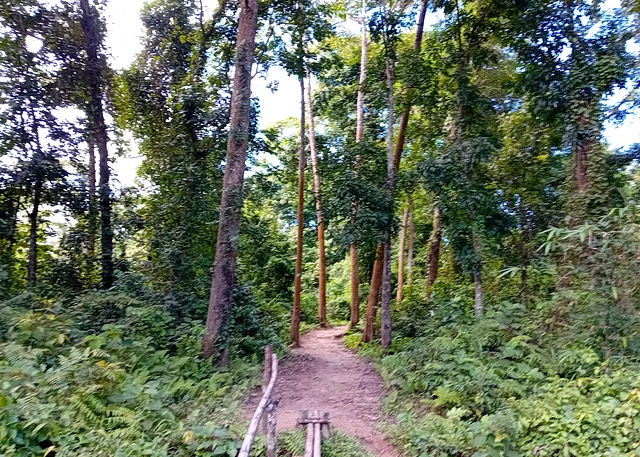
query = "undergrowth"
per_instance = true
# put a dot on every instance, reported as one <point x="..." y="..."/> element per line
<point x="558" y="377"/>
<point x="494" y="388"/>
<point x="66" y="392"/>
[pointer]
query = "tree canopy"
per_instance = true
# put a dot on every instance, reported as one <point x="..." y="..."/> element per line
<point x="447" y="193"/>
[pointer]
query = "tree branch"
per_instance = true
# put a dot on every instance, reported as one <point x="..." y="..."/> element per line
<point x="630" y="97"/>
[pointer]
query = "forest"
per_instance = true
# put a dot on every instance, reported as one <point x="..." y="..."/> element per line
<point x="447" y="195"/>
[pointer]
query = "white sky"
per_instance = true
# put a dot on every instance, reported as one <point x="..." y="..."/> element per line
<point x="123" y="39"/>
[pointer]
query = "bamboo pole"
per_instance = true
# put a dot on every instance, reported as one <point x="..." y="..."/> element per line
<point x="317" y="437"/>
<point x="266" y="377"/>
<point x="255" y="421"/>
<point x="308" y="446"/>
<point x="272" y="418"/>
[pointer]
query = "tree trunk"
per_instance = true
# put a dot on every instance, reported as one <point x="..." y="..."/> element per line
<point x="411" y="241"/>
<point x="355" y="286"/>
<point x="385" y="332"/>
<point x="364" y="57"/>
<point x="479" y="301"/>
<point x="353" y="251"/>
<point x="223" y="279"/>
<point x="434" y="250"/>
<point x="404" y="122"/>
<point x="586" y="130"/>
<point x="403" y="234"/>
<point x="96" y="119"/>
<point x="374" y="292"/>
<point x="317" y="192"/>
<point x="477" y="277"/>
<point x="523" y="251"/>
<point x="295" y="318"/>
<point x="93" y="216"/>
<point x="523" y="285"/>
<point x="92" y="194"/>
<point x="586" y="141"/>
<point x="397" y="155"/>
<point x="32" y="265"/>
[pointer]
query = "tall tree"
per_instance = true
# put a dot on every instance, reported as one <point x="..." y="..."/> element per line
<point x="176" y="101"/>
<point x="302" y="163"/>
<point x="412" y="236"/>
<point x="434" y="249"/>
<point x="458" y="176"/>
<point x="377" y="281"/>
<point x="32" y="135"/>
<point x="387" y="28"/>
<point x="317" y="192"/>
<point x="574" y="55"/>
<point x="223" y="280"/>
<point x="353" y="250"/>
<point x="95" y="78"/>
<point x="93" y="223"/>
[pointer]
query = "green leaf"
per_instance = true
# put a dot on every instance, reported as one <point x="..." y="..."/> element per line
<point x="221" y="433"/>
<point x="479" y="439"/>
<point x="219" y="450"/>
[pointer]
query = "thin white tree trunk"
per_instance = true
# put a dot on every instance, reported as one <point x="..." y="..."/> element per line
<point x="411" y="241"/>
<point x="317" y="191"/>
<point x="353" y="251"/>
<point x="403" y="235"/>
<point x="386" y="266"/>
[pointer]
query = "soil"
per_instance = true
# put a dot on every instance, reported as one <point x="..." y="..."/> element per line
<point x="323" y="374"/>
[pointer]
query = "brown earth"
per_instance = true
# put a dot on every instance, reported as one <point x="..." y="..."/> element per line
<point x="323" y="374"/>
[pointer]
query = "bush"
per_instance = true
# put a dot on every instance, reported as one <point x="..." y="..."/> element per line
<point x="486" y="389"/>
<point x="114" y="393"/>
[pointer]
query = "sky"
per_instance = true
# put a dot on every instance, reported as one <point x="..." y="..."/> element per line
<point x="124" y="32"/>
<point x="123" y="39"/>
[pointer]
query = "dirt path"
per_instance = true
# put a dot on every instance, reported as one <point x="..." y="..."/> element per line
<point x="323" y="374"/>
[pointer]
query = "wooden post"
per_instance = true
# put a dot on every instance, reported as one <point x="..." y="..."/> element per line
<point x="255" y="421"/>
<point x="308" y="446"/>
<point x="271" y="428"/>
<point x="326" y="434"/>
<point x="266" y="377"/>
<point x="317" y="428"/>
<point x="316" y="436"/>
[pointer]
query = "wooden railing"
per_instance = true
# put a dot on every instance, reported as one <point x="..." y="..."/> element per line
<point x="316" y="423"/>
<point x="267" y="405"/>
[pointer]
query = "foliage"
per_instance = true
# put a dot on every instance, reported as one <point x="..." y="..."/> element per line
<point x="538" y="225"/>
<point x="506" y="395"/>
<point x="598" y="266"/>
<point x="560" y="378"/>
<point x="113" y="392"/>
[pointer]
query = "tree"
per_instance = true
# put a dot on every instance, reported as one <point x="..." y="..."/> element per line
<point x="221" y="300"/>
<point x="401" y="253"/>
<point x="317" y="192"/>
<point x="295" y="320"/>
<point x="396" y="154"/>
<point x="353" y="249"/>
<point x="32" y="136"/>
<point x="179" y="113"/>
<point x="399" y="148"/>
<point x="386" y="27"/>
<point x="574" y="55"/>
<point x="458" y="177"/>
<point x="95" y="79"/>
